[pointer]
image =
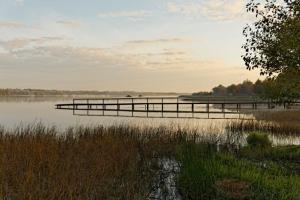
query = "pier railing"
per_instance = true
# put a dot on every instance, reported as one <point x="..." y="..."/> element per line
<point x="169" y="107"/>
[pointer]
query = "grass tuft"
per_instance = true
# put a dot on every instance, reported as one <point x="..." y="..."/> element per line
<point x="258" y="140"/>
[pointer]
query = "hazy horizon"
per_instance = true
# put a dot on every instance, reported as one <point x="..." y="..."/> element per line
<point x="130" y="45"/>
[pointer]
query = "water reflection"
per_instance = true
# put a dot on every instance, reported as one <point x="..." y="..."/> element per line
<point x="15" y="111"/>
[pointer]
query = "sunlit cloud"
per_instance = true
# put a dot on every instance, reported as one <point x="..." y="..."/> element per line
<point x="162" y="46"/>
<point x="92" y="62"/>
<point x="132" y="15"/>
<point x="151" y="54"/>
<point x="85" y="57"/>
<point x="19" y="2"/>
<point x="19" y="43"/>
<point x="69" y="23"/>
<point x="217" y="10"/>
<point x="157" y="41"/>
<point x="165" y="52"/>
<point x="11" y="24"/>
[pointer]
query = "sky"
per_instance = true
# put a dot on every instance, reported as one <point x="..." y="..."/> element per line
<point x="140" y="45"/>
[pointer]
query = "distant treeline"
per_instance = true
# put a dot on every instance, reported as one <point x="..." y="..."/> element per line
<point x="246" y="88"/>
<point x="40" y="92"/>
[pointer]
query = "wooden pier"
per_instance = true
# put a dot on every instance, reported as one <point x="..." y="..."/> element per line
<point x="169" y="107"/>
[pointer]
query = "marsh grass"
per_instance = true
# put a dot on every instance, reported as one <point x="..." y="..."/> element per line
<point x="81" y="163"/>
<point x="291" y="116"/>
<point x="120" y="162"/>
<point x="283" y="128"/>
<point x="277" y="122"/>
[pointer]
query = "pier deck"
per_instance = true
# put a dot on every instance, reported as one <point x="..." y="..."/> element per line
<point x="170" y="107"/>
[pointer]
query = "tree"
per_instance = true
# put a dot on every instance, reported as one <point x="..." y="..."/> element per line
<point x="288" y="84"/>
<point x="271" y="91"/>
<point x="273" y="41"/>
<point x="220" y="90"/>
<point x="258" y="87"/>
<point x="246" y="88"/>
<point x="232" y="90"/>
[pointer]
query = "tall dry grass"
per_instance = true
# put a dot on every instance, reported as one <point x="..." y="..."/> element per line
<point x="120" y="162"/>
<point x="275" y="122"/>
<point x="81" y="163"/>
<point x="291" y="116"/>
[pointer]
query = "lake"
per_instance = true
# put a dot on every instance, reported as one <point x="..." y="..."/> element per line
<point x="16" y="111"/>
<point x="23" y="110"/>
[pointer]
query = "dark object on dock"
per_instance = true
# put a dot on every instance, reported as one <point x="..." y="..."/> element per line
<point x="169" y="107"/>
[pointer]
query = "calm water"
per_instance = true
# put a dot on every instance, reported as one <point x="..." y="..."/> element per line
<point x="15" y="111"/>
<point x="22" y="110"/>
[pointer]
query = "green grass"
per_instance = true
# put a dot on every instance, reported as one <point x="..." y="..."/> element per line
<point x="210" y="174"/>
<point x="258" y="140"/>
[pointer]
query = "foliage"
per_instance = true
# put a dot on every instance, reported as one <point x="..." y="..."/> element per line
<point x="246" y="88"/>
<point x="220" y="90"/>
<point x="259" y="140"/>
<point x="41" y="92"/>
<point x="273" y="41"/>
<point x="273" y="46"/>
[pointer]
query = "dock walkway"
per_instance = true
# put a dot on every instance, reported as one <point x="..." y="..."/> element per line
<point x="170" y="107"/>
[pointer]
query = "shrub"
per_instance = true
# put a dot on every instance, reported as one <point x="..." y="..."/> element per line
<point x="257" y="139"/>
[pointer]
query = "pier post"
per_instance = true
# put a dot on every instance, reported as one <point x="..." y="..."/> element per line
<point x="103" y="107"/>
<point x="223" y="109"/>
<point x="88" y="107"/>
<point x="239" y="110"/>
<point x="193" y="109"/>
<point x="73" y="106"/>
<point x="118" y="107"/>
<point x="132" y="107"/>
<point x="177" y="108"/>
<point x="147" y="107"/>
<point x="162" y="107"/>
<point x="207" y="109"/>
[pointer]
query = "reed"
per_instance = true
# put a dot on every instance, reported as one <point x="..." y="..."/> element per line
<point x="272" y="127"/>
<point x="292" y="116"/>
<point x="120" y="162"/>
<point x="81" y="163"/>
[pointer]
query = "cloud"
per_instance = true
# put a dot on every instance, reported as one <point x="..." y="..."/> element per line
<point x="217" y="10"/>
<point x="184" y="8"/>
<point x="133" y="15"/>
<point x="157" y="41"/>
<point x="20" y="43"/>
<point x="19" y="2"/>
<point x="64" y="58"/>
<point x="69" y="23"/>
<point x="165" y="52"/>
<point x="99" y="67"/>
<point x="11" y="24"/>
<point x="153" y="54"/>
<point x="84" y="58"/>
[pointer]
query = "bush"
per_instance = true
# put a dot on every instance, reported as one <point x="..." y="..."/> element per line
<point x="257" y="139"/>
